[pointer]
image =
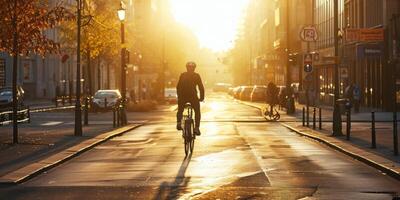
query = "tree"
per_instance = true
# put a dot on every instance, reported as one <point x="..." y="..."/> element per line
<point x="22" y="25"/>
<point x="100" y="38"/>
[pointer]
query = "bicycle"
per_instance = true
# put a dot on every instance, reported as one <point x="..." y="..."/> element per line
<point x="188" y="129"/>
<point x="272" y="114"/>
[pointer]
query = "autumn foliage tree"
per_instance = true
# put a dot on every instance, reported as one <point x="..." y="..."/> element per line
<point x="32" y="18"/>
<point x="22" y="26"/>
<point x="100" y="36"/>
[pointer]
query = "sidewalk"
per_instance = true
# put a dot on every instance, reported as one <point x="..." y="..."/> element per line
<point x="49" y="140"/>
<point x="359" y="146"/>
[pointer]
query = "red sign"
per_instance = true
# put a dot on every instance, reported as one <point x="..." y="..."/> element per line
<point x="364" y="35"/>
<point x="369" y="35"/>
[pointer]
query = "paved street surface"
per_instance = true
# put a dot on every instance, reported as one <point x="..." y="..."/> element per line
<point x="238" y="156"/>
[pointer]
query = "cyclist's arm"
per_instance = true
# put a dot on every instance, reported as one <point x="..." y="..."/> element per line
<point x="179" y="86"/>
<point x="201" y="88"/>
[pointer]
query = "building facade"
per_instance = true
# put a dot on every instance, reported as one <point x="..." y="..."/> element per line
<point x="362" y="52"/>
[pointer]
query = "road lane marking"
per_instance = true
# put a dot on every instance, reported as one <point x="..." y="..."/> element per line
<point x="52" y="123"/>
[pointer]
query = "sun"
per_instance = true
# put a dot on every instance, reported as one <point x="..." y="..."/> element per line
<point x="214" y="22"/>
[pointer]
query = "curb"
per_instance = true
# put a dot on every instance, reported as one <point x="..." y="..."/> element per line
<point x="36" y="110"/>
<point x="30" y="171"/>
<point x="383" y="168"/>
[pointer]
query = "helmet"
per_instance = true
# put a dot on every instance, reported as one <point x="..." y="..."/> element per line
<point x="191" y="64"/>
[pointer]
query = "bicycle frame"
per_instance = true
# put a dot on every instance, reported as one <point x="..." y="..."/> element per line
<point x="188" y="133"/>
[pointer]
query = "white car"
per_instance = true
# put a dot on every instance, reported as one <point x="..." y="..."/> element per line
<point x="171" y="95"/>
<point x="106" y="99"/>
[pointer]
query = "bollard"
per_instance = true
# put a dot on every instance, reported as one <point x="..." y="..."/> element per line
<point x="86" y="112"/>
<point x="395" y="143"/>
<point x="105" y="104"/>
<point x="314" y="121"/>
<point x="348" y="124"/>
<point x="29" y="115"/>
<point x="320" y="118"/>
<point x="114" y="117"/>
<point x="56" y="101"/>
<point x="308" y="116"/>
<point x="373" y="133"/>
<point x="118" y="116"/>
<point x="70" y="99"/>
<point x="304" y="116"/>
<point x="63" y="100"/>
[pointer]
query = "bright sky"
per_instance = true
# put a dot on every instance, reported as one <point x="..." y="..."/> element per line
<point x="214" y="22"/>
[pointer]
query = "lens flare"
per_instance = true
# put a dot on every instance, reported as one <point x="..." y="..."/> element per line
<point x="214" y="22"/>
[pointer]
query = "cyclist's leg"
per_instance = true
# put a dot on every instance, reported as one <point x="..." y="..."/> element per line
<point x="197" y="115"/>
<point x="271" y="107"/>
<point x="179" y="114"/>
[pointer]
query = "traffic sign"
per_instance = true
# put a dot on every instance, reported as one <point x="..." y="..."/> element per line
<point x="308" y="68"/>
<point x="309" y="34"/>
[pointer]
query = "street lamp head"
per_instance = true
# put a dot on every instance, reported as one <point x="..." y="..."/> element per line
<point x="121" y="13"/>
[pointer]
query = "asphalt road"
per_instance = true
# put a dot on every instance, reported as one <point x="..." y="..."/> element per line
<point x="238" y="156"/>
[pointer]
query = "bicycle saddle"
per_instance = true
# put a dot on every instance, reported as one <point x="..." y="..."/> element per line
<point x="188" y="105"/>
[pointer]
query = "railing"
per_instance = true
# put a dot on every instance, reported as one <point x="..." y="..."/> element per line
<point x="23" y="115"/>
<point x="63" y="100"/>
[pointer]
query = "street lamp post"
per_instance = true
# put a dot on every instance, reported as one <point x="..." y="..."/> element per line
<point x="290" y="107"/>
<point x="121" y="16"/>
<point x="78" y="112"/>
<point x="337" y="120"/>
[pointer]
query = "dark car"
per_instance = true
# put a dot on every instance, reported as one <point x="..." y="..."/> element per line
<point x="259" y="93"/>
<point x="6" y="97"/>
<point x="245" y="93"/>
<point x="231" y="90"/>
<point x="237" y="91"/>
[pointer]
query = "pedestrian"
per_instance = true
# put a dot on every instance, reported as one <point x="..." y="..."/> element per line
<point x="356" y="97"/>
<point x="272" y="95"/>
<point x="348" y="93"/>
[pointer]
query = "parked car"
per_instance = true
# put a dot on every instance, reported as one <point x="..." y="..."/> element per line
<point x="231" y="91"/>
<point x="237" y="91"/>
<point x="171" y="95"/>
<point x="221" y="87"/>
<point x="245" y="93"/>
<point x="6" y="97"/>
<point x="106" y="99"/>
<point x="259" y="93"/>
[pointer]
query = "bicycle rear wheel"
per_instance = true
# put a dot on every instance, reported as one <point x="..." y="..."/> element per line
<point x="192" y="136"/>
<point x="187" y="136"/>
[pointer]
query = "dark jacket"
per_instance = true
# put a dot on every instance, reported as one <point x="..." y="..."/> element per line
<point x="186" y="87"/>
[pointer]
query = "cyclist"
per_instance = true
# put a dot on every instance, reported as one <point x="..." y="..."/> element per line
<point x="187" y="92"/>
<point x="272" y="95"/>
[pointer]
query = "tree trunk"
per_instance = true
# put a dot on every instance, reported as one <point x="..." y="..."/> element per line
<point x="89" y="74"/>
<point x="14" y="76"/>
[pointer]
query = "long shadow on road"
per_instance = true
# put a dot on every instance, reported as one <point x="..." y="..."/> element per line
<point x="170" y="190"/>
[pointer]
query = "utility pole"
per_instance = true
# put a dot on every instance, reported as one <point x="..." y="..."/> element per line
<point x="337" y="120"/>
<point x="78" y="112"/>
<point x="290" y="107"/>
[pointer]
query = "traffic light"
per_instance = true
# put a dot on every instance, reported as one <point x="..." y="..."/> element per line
<point x="308" y="68"/>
